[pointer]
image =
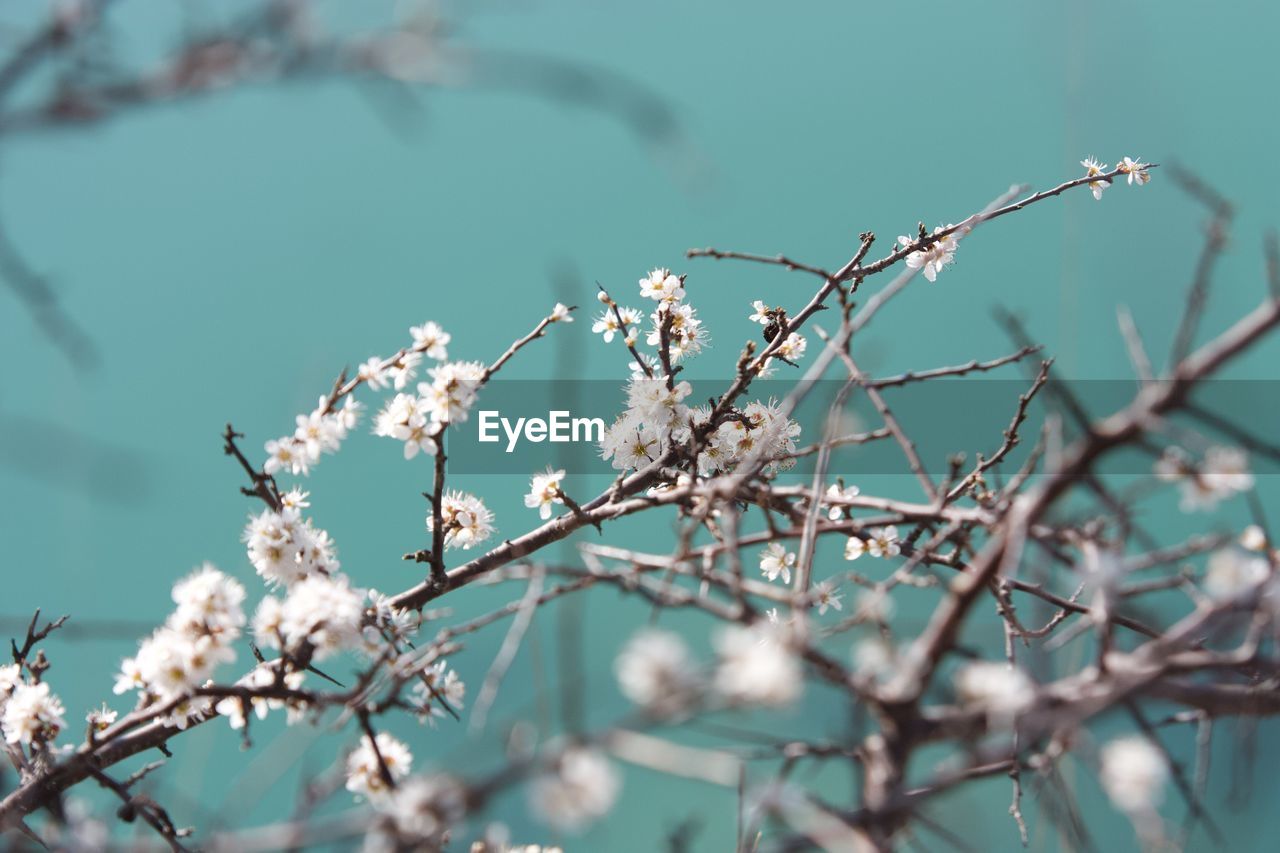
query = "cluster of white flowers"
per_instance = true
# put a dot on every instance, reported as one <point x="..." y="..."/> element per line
<point x="197" y="637"/>
<point x="883" y="542"/>
<point x="760" y="432"/>
<point x="434" y="684"/>
<point x="400" y="370"/>
<point x="1135" y="169"/>
<point x="656" y="671"/>
<point x="1223" y="472"/>
<point x="322" y="431"/>
<point x="1133" y="773"/>
<point x="1002" y="690"/>
<point x="365" y="775"/>
<point x="447" y="398"/>
<point x="608" y="325"/>
<point x="581" y="788"/>
<point x="1233" y="572"/>
<point x="837" y="496"/>
<point x="544" y="492"/>
<point x="932" y="258"/>
<point x="236" y="710"/>
<point x="757" y="665"/>
<point x="285" y="548"/>
<point x="657" y="417"/>
<point x="324" y="612"/>
<point x="466" y="520"/>
<point x="645" y="430"/>
<point x="29" y="713"/>
<point x="418" y="814"/>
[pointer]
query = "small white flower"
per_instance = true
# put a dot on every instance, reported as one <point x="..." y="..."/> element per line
<point x="776" y="560"/>
<point x="655" y="671"/>
<point x="101" y="718"/>
<point x="287" y="454"/>
<point x="826" y="595"/>
<point x="1093" y="167"/>
<point x="1134" y="773"/>
<point x="544" y="491"/>
<point x="884" y="542"/>
<point x="429" y="338"/>
<point x="365" y="775"/>
<point x="1232" y="573"/>
<point x="933" y="257"/>
<point x="607" y="323"/>
<point x="1136" y="170"/>
<point x="875" y="605"/>
<point x="874" y="657"/>
<point x="561" y="314"/>
<point x="1001" y="690"/>
<point x="581" y="788"/>
<point x="761" y="314"/>
<point x="466" y="520"/>
<point x="756" y="665"/>
<point x="837" y="496"/>
<point x="32" y="713"/>
<point x="10" y="677"/>
<point x="662" y="286"/>
<point x="323" y="611"/>
<point x="404" y="370"/>
<point x="854" y="548"/>
<point x="1253" y="538"/>
<point x="372" y="374"/>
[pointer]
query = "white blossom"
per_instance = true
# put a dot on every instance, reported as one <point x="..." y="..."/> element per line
<point x="408" y="418"/>
<point x="452" y="390"/>
<point x="1136" y="170"/>
<point x="1093" y="167"/>
<point x="1003" y="691"/>
<point x="607" y="323"/>
<point x="761" y="313"/>
<point x="932" y="258"/>
<point x="1253" y="538"/>
<point x="1232" y="573"/>
<point x="287" y="454"/>
<point x="650" y="401"/>
<point x="1133" y="773"/>
<point x="756" y="665"/>
<point x="544" y="491"/>
<point x="662" y="286"/>
<point x="372" y="374"/>
<point x="404" y="370"/>
<point x="285" y="548"/>
<point x="323" y="611"/>
<point x="881" y="542"/>
<point x="466" y="520"/>
<point x="656" y="671"/>
<point x="776" y="560"/>
<point x="424" y="808"/>
<point x="432" y="340"/>
<point x="100" y="719"/>
<point x="365" y="776"/>
<point x="581" y="788"/>
<point x="561" y="314"/>
<point x="209" y="602"/>
<point x="826" y="595"/>
<point x="32" y="714"/>
<point x="438" y="683"/>
<point x="837" y="497"/>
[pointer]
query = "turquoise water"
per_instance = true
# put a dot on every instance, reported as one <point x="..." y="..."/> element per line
<point x="229" y="256"/>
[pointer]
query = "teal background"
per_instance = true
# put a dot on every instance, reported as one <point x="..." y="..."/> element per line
<point x="230" y="255"/>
